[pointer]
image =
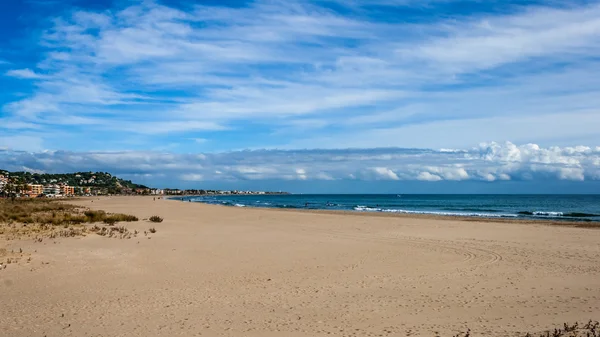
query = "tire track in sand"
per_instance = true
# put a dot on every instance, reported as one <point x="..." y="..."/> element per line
<point x="474" y="257"/>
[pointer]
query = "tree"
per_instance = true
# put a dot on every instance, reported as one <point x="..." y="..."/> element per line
<point x="10" y="190"/>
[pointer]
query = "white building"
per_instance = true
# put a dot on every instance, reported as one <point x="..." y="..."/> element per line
<point x="52" y="190"/>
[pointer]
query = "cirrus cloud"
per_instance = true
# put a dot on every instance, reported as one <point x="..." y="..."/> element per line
<point x="296" y="74"/>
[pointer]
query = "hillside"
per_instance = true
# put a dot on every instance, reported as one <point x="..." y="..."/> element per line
<point x="83" y="179"/>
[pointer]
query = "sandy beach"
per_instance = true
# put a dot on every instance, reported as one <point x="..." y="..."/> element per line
<point x="226" y="271"/>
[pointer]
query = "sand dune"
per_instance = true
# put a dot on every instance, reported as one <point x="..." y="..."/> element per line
<point x="221" y="271"/>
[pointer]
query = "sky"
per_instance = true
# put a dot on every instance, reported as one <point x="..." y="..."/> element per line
<point x="324" y="96"/>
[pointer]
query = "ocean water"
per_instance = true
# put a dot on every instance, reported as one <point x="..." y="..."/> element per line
<point x="556" y="207"/>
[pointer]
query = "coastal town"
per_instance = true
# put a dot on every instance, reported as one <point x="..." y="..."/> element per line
<point x="20" y="185"/>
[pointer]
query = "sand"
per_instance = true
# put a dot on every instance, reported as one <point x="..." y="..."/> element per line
<point x="225" y="271"/>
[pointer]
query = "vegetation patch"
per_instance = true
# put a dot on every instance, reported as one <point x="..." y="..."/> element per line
<point x="41" y="218"/>
<point x="155" y="218"/>
<point x="114" y="232"/>
<point x="111" y="219"/>
<point x="589" y="329"/>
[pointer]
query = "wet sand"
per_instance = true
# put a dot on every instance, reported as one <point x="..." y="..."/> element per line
<point x="225" y="271"/>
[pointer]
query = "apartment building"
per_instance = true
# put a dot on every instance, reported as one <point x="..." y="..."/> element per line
<point x="67" y="190"/>
<point x="34" y="190"/>
<point x="52" y="190"/>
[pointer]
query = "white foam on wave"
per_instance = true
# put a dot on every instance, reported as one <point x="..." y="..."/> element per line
<point x="403" y="211"/>
<point x="239" y="205"/>
<point x="548" y="214"/>
<point x="367" y="209"/>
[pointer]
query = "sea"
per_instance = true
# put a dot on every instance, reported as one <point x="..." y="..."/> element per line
<point x="554" y="207"/>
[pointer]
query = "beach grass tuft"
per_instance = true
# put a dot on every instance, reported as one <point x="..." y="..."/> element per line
<point x="155" y="218"/>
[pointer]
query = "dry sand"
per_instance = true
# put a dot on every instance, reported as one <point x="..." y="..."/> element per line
<point x="222" y="271"/>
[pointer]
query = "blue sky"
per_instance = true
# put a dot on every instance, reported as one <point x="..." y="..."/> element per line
<point x="266" y="92"/>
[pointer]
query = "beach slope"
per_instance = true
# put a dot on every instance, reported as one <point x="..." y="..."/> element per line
<point x="226" y="271"/>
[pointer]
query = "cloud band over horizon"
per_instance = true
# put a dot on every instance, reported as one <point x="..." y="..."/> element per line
<point x="487" y="163"/>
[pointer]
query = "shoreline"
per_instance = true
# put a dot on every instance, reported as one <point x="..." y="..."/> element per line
<point x="547" y="222"/>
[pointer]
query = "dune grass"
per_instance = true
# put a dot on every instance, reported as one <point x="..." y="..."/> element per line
<point x="46" y="211"/>
<point x="111" y="219"/>
<point x="25" y="211"/>
<point x="51" y="218"/>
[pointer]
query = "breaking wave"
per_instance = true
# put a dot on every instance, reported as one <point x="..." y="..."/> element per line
<point x="403" y="211"/>
<point x="558" y="214"/>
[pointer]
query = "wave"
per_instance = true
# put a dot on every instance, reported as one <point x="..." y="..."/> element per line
<point x="472" y="210"/>
<point x="483" y="211"/>
<point x="558" y="214"/>
<point x="285" y="206"/>
<point x="404" y="211"/>
<point x="367" y="209"/>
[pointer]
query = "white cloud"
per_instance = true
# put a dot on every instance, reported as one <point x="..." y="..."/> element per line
<point x="532" y="163"/>
<point x="503" y="176"/>
<point x="450" y="172"/>
<point x="335" y="79"/>
<point x="301" y="174"/>
<point x="488" y="177"/>
<point x="571" y="173"/>
<point x="533" y="153"/>
<point x="168" y="126"/>
<point x="426" y="176"/>
<point x="429" y="134"/>
<point x="494" y="41"/>
<point x="24" y="73"/>
<point x="385" y="173"/>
